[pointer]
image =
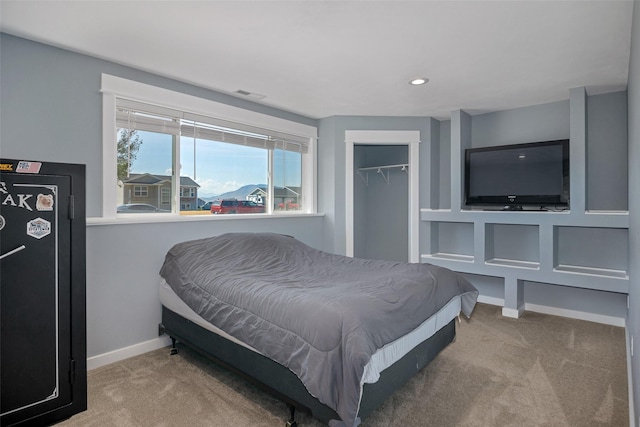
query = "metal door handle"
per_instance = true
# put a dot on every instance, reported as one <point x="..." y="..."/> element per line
<point x="18" y="249"/>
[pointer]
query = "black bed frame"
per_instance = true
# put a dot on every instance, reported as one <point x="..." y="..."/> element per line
<point x="284" y="384"/>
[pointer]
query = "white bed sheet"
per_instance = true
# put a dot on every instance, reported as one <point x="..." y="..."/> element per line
<point x="381" y="359"/>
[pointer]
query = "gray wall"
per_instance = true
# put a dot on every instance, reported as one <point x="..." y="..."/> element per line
<point x="633" y="323"/>
<point x="123" y="262"/>
<point x="381" y="208"/>
<point x="544" y="122"/>
<point x="444" y="194"/>
<point x="607" y="182"/>
<point x="51" y="110"/>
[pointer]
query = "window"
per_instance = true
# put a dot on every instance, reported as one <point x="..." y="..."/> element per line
<point x="140" y="191"/>
<point x="165" y="196"/>
<point x="217" y="159"/>
<point x="287" y="166"/>
<point x="187" y="192"/>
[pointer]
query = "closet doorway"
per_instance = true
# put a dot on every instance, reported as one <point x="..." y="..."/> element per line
<point x="382" y="212"/>
<point x="381" y="202"/>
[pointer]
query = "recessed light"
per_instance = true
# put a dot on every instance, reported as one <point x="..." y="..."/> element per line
<point x="418" y="81"/>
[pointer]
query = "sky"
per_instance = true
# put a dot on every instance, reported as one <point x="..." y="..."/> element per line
<point x="218" y="167"/>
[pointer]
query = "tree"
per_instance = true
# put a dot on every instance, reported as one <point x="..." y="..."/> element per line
<point x="128" y="145"/>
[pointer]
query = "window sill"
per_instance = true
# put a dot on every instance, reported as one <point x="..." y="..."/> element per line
<point x="163" y="218"/>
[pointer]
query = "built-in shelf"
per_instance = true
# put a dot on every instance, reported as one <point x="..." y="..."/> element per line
<point x="450" y="257"/>
<point x="591" y="271"/>
<point x="608" y="219"/>
<point x="502" y="249"/>
<point x="580" y="247"/>
<point x="514" y="263"/>
<point x="609" y="212"/>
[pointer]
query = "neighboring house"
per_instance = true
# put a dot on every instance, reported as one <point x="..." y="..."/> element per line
<point x="284" y="197"/>
<point x="156" y="190"/>
<point x="287" y="198"/>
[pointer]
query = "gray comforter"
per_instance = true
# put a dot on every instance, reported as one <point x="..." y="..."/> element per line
<point x="321" y="315"/>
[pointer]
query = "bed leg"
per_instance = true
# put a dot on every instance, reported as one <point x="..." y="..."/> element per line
<point x="292" y="421"/>
<point x="174" y="349"/>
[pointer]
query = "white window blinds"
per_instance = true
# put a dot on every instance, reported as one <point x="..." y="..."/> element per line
<point x="140" y="116"/>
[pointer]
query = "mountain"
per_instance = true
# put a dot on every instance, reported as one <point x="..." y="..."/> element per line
<point x="240" y="194"/>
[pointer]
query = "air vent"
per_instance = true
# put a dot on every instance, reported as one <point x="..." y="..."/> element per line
<point x="249" y="94"/>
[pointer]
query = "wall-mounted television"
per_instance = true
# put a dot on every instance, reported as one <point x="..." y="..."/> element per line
<point x="532" y="175"/>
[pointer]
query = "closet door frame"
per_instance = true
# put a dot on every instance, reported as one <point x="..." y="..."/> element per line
<point x="408" y="138"/>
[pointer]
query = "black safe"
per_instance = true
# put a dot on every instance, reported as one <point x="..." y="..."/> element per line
<point x="43" y="369"/>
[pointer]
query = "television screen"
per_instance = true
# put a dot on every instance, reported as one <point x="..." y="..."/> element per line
<point x="532" y="174"/>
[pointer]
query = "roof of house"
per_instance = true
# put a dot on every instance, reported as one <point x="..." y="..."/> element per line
<point x="149" y="179"/>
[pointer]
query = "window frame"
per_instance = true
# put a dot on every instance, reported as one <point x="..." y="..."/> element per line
<point x="113" y="88"/>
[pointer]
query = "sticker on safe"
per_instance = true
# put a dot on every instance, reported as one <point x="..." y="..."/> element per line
<point x="28" y="167"/>
<point x="38" y="228"/>
<point x="44" y="202"/>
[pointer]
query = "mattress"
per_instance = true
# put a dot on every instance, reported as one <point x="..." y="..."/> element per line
<point x="319" y="314"/>
<point x="380" y="360"/>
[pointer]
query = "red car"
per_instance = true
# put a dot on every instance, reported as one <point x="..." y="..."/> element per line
<point x="232" y="206"/>
<point x="289" y="206"/>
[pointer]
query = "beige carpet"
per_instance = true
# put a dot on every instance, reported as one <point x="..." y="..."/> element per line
<point x="538" y="370"/>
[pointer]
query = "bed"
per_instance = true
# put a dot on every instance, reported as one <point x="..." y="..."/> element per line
<point x="325" y="333"/>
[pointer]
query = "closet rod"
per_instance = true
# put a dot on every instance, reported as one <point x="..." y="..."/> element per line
<point x="380" y="170"/>
<point x="404" y="166"/>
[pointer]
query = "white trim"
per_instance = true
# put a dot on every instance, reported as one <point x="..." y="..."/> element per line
<point x="113" y="87"/>
<point x="491" y="300"/>
<point x="310" y="178"/>
<point x="141" y="92"/>
<point x="411" y="138"/>
<point x="348" y="199"/>
<point x="109" y="150"/>
<point x="632" y="414"/>
<point x="512" y="312"/>
<point x="382" y="137"/>
<point x="127" y="352"/>
<point x="574" y="314"/>
<point x="414" y="201"/>
<point x="161" y="218"/>
<point x="555" y="311"/>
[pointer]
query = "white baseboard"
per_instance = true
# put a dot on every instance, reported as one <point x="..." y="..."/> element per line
<point x="513" y="313"/>
<point x="126" y="352"/>
<point x="554" y="311"/>
<point x="632" y="415"/>
<point x="491" y="300"/>
<point x="574" y="314"/>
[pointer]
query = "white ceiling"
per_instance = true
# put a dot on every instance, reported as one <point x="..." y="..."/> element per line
<point x="325" y="58"/>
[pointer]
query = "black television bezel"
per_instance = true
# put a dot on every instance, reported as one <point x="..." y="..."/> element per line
<point x="532" y="200"/>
